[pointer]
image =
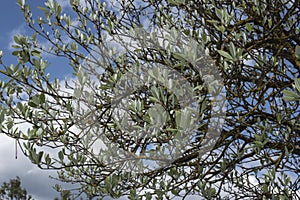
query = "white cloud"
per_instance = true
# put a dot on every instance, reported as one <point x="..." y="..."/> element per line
<point x="34" y="180"/>
<point x="66" y="4"/>
<point x="20" y="30"/>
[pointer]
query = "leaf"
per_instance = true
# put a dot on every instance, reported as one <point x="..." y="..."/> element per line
<point x="20" y="40"/>
<point x="16" y="53"/>
<point x="10" y="124"/>
<point x="297" y="84"/>
<point x="2" y="116"/>
<point x="110" y="25"/>
<point x="39" y="158"/>
<point x="42" y="8"/>
<point x="220" y="28"/>
<point x="133" y="194"/>
<point x="290" y="95"/>
<point x="225" y="54"/>
<point x="232" y="49"/>
<point x="177" y="118"/>
<point x="249" y="27"/>
<point x="297" y="52"/>
<point x="21" y="3"/>
<point x="155" y="92"/>
<point x="32" y="104"/>
<point x="42" y="98"/>
<point x="77" y="92"/>
<point x="219" y="13"/>
<point x="179" y="56"/>
<point x="175" y="2"/>
<point x="48" y="160"/>
<point x="61" y="155"/>
<point x="36" y="53"/>
<point x="153" y="99"/>
<point x="157" y="115"/>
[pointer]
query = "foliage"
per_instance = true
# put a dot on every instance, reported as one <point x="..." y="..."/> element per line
<point x="13" y="190"/>
<point x="64" y="195"/>
<point x="293" y="95"/>
<point x="253" y="44"/>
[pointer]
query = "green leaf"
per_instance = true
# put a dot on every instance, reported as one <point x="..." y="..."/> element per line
<point x="232" y="50"/>
<point x="219" y="13"/>
<point x="20" y="40"/>
<point x="133" y="194"/>
<point x="16" y="53"/>
<point x="110" y="25"/>
<point x="297" y="52"/>
<point x="249" y="27"/>
<point x="21" y="3"/>
<point x="225" y="54"/>
<point x="179" y="56"/>
<point x="153" y="99"/>
<point x="42" y="8"/>
<point x="36" y="53"/>
<point x="42" y="98"/>
<point x="175" y="2"/>
<point x="32" y="104"/>
<point x="39" y="157"/>
<point x="48" y="160"/>
<point x="220" y="28"/>
<point x="61" y="155"/>
<point x="77" y="92"/>
<point x="10" y="124"/>
<point x="290" y="95"/>
<point x="2" y="116"/>
<point x="297" y="84"/>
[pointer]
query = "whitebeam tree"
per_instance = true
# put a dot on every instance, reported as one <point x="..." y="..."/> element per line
<point x="144" y="113"/>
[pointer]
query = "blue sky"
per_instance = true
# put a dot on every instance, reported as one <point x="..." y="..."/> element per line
<point x="36" y="181"/>
<point x="10" y="21"/>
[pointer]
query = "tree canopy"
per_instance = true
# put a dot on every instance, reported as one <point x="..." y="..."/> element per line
<point x="167" y="97"/>
<point x="13" y="190"/>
